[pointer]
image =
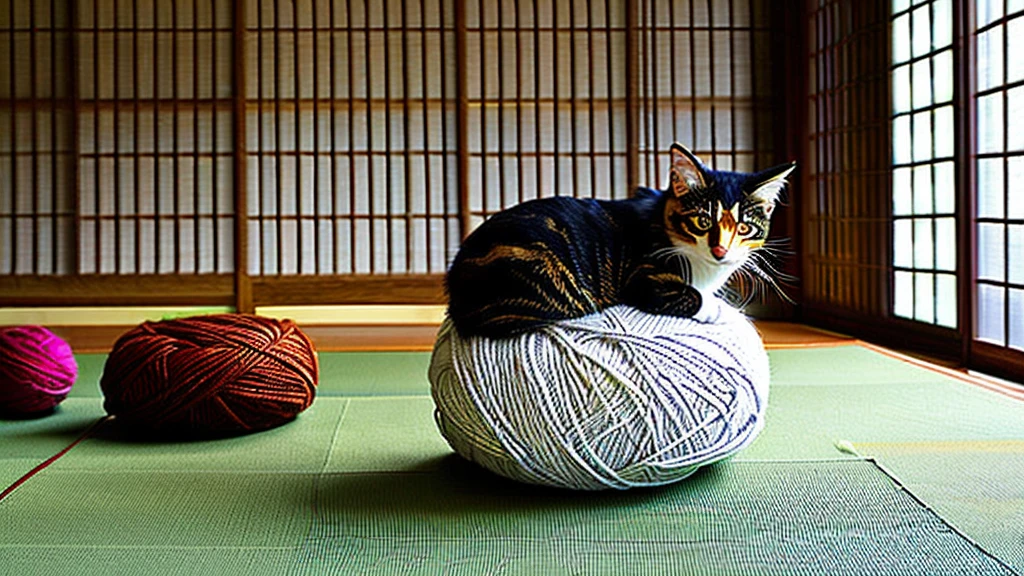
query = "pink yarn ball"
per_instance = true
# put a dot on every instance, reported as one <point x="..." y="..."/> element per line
<point x="37" y="370"/>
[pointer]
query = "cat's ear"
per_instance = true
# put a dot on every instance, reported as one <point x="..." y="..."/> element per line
<point x="766" y="185"/>
<point x="686" y="173"/>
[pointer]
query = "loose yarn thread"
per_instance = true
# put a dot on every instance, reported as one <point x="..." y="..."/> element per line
<point x="614" y="400"/>
<point x="217" y="374"/>
<point x="37" y="370"/>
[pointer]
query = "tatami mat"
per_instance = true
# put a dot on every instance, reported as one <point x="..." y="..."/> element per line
<point x="741" y="518"/>
<point x="363" y="483"/>
<point x="977" y="485"/>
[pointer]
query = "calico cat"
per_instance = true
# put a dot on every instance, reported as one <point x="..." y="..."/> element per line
<point x="663" y="252"/>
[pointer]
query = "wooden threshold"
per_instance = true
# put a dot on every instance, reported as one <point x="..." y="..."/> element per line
<point x="780" y="334"/>
<point x="420" y="337"/>
<point x="326" y="338"/>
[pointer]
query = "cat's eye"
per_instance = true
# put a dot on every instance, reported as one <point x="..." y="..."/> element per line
<point x="702" y="221"/>
<point x="743" y="228"/>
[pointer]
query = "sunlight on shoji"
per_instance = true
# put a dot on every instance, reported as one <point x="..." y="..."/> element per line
<point x="999" y="193"/>
<point x="945" y="300"/>
<point x="1015" y="246"/>
<point x="922" y="189"/>
<point x="988" y="10"/>
<point x="903" y="243"/>
<point x="990" y="188"/>
<point x="945" y="244"/>
<point x="923" y="136"/>
<point x="942" y="24"/>
<point x="991" y="303"/>
<point x="1015" y="202"/>
<point x="903" y="294"/>
<point x="901" y="140"/>
<point x="901" y="192"/>
<point x="990" y="58"/>
<point x="942" y="70"/>
<point x="991" y="252"/>
<point x="901" y="39"/>
<point x="901" y="89"/>
<point x="924" y="254"/>
<point x="943" y="124"/>
<point x="1016" y="337"/>
<point x="990" y="123"/>
<point x="1014" y="111"/>
<point x="1015" y="45"/>
<point x="945" y="201"/>
<point x="924" y="297"/>
<point x="922" y="86"/>
<point x="920" y="38"/>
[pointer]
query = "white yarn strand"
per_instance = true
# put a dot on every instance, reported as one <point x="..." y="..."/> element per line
<point x="614" y="400"/>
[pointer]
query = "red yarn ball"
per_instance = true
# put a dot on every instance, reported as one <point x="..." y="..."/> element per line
<point x="210" y="375"/>
<point x="37" y="370"/>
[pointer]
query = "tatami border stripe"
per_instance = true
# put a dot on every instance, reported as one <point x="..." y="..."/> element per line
<point x="798" y="345"/>
<point x="46" y="463"/>
<point x="931" y="510"/>
<point x="979" y="381"/>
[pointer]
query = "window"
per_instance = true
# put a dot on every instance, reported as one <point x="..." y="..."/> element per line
<point x="924" y="239"/>
<point x="999" y="165"/>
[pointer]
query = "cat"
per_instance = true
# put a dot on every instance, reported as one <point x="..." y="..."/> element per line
<point x="662" y="252"/>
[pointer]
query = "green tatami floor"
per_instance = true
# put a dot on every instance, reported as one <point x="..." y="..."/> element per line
<point x="867" y="465"/>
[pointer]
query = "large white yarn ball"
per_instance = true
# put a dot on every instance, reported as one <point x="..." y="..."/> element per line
<point x="618" y="399"/>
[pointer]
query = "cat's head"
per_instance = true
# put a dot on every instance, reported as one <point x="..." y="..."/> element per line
<point x="718" y="218"/>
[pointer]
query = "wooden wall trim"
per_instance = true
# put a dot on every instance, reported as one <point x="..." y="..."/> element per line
<point x="348" y="289"/>
<point x="632" y="94"/>
<point x="997" y="360"/>
<point x="325" y="338"/>
<point x="243" y="284"/>
<point x="789" y="129"/>
<point x="219" y="290"/>
<point x="895" y="333"/>
<point x="116" y="290"/>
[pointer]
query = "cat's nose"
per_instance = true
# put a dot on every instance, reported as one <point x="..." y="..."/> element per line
<point x="719" y="252"/>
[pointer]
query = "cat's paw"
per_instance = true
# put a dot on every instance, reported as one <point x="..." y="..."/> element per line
<point x="712" y="309"/>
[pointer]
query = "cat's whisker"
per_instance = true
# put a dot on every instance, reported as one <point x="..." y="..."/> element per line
<point x="776" y="250"/>
<point x="772" y="269"/>
<point x="745" y="289"/>
<point x="770" y="266"/>
<point x="751" y="284"/>
<point x="779" y="245"/>
<point x="768" y="280"/>
<point x="686" y="269"/>
<point x="663" y="252"/>
<point x="774" y="253"/>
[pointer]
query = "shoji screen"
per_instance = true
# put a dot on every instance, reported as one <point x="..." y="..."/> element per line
<point x="255" y="152"/>
<point x="117" y="150"/>
<point x="37" y="219"/>
<point x="351" y="136"/>
<point x="584" y="97"/>
<point x="154" y="121"/>
<point x="546" y="101"/>
<point x="705" y="77"/>
<point x="847" y="199"/>
<point x="999" y="168"/>
<point x="924" y="241"/>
